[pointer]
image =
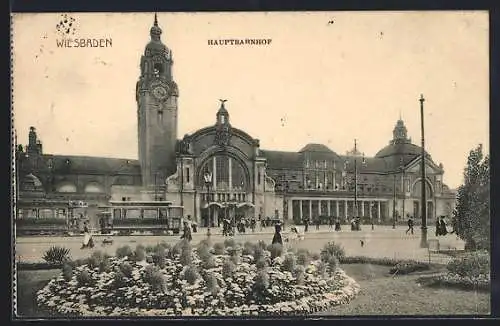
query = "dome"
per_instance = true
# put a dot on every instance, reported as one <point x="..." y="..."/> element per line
<point x="400" y="149"/>
<point x="156" y="47"/>
<point x="320" y="148"/>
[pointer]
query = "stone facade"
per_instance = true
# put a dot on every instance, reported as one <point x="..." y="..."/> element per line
<point x="245" y="179"/>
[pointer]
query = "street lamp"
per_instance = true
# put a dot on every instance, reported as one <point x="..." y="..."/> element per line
<point x="423" y="240"/>
<point x="394" y="203"/>
<point x="356" y="177"/>
<point x="207" y="176"/>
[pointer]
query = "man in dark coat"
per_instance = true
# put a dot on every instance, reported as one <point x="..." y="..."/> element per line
<point x="410" y="225"/>
<point x="277" y="234"/>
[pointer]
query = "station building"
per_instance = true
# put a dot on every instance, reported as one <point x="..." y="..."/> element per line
<point x="245" y="179"/>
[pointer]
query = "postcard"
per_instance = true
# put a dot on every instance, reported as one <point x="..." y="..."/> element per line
<point x="252" y="164"/>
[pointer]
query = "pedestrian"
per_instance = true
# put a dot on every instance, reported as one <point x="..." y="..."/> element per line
<point x="410" y="225"/>
<point x="277" y="234"/>
<point x="187" y="232"/>
<point x="252" y="225"/>
<point x="337" y="225"/>
<point x="87" y="237"/>
<point x="318" y="222"/>
<point x="306" y="224"/>
<point x="330" y="222"/>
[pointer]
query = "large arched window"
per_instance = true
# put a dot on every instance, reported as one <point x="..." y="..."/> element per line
<point x="94" y="187"/>
<point x="230" y="174"/>
<point x="417" y="189"/>
<point x="66" y="187"/>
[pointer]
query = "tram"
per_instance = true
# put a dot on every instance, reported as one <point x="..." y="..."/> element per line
<point x="125" y="217"/>
<point x="51" y="217"/>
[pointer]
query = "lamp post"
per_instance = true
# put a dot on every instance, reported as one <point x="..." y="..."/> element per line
<point x="356" y="177"/>
<point x="423" y="240"/>
<point x="207" y="176"/>
<point x="394" y="203"/>
<point x="156" y="186"/>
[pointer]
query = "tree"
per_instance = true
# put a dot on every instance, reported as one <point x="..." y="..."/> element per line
<point x="471" y="217"/>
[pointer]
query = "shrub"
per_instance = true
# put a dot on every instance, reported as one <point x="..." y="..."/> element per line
<point x="298" y="273"/>
<point x="150" y="249"/>
<point x="219" y="248"/>
<point x="303" y="257"/>
<point x="331" y="249"/>
<point x="186" y="257"/>
<point x="79" y="262"/>
<point x="234" y="255"/>
<point x="228" y="269"/>
<point x="126" y="269"/>
<point x="262" y="244"/>
<point x="210" y="262"/>
<point x="154" y="277"/>
<point x="261" y="282"/>
<point x="289" y="263"/>
<point x="175" y="250"/>
<point x="119" y="280"/>
<point x="124" y="251"/>
<point x="205" y="243"/>
<point x="105" y="265"/>
<point x="471" y="264"/>
<point x="258" y="253"/>
<point x="408" y="267"/>
<point x="315" y="256"/>
<point x="332" y="264"/>
<point x="230" y="243"/>
<point x="321" y="268"/>
<point x="248" y="248"/>
<point x="139" y="253"/>
<point x="84" y="278"/>
<point x="276" y="250"/>
<point x="450" y="280"/>
<point x="67" y="271"/>
<point x="203" y="252"/>
<point x="56" y="255"/>
<point x="191" y="274"/>
<point x="211" y="283"/>
<point x="261" y="263"/>
<point x="95" y="259"/>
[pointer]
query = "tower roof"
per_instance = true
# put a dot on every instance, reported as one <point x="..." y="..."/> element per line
<point x="155" y="46"/>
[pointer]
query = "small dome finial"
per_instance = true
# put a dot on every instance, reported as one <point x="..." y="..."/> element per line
<point x="155" y="31"/>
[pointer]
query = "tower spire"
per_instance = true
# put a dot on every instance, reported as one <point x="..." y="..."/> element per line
<point x="156" y="20"/>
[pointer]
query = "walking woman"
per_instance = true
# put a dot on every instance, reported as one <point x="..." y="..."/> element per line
<point x="277" y="234"/>
<point x="187" y="232"/>
<point x="87" y="237"/>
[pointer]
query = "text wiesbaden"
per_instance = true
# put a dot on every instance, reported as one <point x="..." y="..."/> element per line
<point x="246" y="41"/>
<point x="85" y="43"/>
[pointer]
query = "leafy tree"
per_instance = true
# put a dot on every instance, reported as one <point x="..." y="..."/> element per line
<point x="471" y="217"/>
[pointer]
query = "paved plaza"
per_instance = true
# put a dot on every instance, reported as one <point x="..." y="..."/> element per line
<point x="383" y="241"/>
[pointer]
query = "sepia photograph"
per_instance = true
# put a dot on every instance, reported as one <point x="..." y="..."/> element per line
<point x="250" y="164"/>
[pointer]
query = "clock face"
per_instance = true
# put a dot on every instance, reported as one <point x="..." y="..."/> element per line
<point x="160" y="92"/>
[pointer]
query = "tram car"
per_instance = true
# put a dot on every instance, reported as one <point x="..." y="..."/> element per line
<point x="127" y="217"/>
<point x="51" y="217"/>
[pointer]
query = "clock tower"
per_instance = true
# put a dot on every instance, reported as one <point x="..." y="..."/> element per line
<point x="156" y="96"/>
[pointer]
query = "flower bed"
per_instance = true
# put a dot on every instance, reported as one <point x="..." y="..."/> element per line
<point x="450" y="280"/>
<point x="407" y="267"/>
<point x="470" y="271"/>
<point x="181" y="281"/>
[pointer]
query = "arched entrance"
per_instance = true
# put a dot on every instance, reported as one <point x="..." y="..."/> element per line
<point x="228" y="194"/>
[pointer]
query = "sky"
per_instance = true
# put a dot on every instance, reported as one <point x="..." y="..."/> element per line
<point x="326" y="77"/>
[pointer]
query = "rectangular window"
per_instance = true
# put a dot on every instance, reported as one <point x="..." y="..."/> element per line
<point x="258" y="178"/>
<point x="187" y="175"/>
